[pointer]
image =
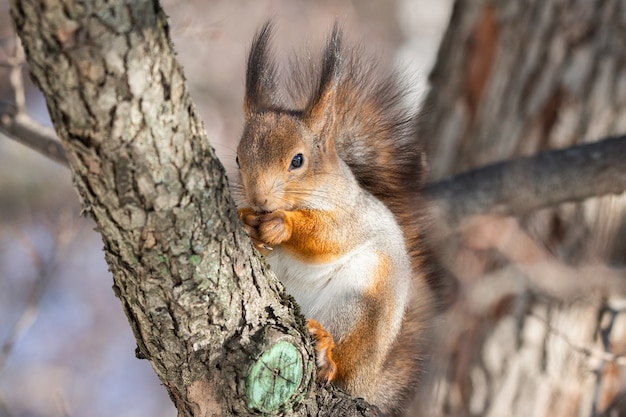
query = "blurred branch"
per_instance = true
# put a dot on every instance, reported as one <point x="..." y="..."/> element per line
<point x="16" y="62"/>
<point x="545" y="273"/>
<point x="15" y="122"/>
<point x="603" y="356"/>
<point x="64" y="229"/>
<point x="23" y="129"/>
<point x="29" y="314"/>
<point x="4" y="408"/>
<point x="522" y="185"/>
<point x="606" y="323"/>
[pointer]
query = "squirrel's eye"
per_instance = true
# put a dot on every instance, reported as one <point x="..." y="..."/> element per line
<point x="297" y="161"/>
<point x="237" y="161"/>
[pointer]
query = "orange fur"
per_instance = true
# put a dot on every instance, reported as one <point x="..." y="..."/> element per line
<point x="308" y="235"/>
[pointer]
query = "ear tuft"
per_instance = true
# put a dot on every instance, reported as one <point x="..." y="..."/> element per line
<point x="319" y="113"/>
<point x="261" y="87"/>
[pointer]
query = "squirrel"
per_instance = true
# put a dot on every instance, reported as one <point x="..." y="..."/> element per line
<point x="329" y="181"/>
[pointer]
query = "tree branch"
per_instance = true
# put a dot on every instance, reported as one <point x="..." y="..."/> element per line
<point x="15" y="122"/>
<point x="522" y="185"/>
<point x="23" y="129"/>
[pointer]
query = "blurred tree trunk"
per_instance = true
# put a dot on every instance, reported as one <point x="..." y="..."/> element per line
<point x="201" y="305"/>
<point x="516" y="78"/>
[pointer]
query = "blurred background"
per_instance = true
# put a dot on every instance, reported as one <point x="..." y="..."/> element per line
<point x="67" y="349"/>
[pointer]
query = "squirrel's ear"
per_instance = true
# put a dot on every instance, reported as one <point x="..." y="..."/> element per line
<point x="261" y="74"/>
<point x="319" y="114"/>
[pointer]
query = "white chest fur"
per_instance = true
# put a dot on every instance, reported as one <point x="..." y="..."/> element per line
<point x="322" y="290"/>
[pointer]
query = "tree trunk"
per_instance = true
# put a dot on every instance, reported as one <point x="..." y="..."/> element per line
<point x="202" y="306"/>
<point x="515" y="78"/>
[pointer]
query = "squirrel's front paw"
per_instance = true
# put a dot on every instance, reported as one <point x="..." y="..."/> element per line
<point x="324" y="344"/>
<point x="273" y="228"/>
<point x="250" y="221"/>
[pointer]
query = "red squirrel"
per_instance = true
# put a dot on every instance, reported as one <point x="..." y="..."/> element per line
<point x="329" y="178"/>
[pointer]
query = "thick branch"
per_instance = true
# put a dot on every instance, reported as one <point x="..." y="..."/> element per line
<point x="522" y="185"/>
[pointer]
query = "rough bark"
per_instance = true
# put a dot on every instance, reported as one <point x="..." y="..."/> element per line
<point x="514" y="78"/>
<point x="200" y="302"/>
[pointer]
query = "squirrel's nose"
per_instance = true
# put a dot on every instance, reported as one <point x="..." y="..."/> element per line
<point x="260" y="201"/>
<point x="262" y="194"/>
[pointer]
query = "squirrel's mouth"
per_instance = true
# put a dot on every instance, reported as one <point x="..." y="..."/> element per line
<point x="262" y="208"/>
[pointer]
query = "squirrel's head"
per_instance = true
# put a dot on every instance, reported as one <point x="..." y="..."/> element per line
<point x="287" y="158"/>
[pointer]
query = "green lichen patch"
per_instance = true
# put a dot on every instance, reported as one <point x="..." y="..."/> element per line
<point x="274" y="378"/>
<point x="195" y="259"/>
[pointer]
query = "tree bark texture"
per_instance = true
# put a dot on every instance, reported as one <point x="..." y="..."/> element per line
<point x="514" y="78"/>
<point x="200" y="302"/>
